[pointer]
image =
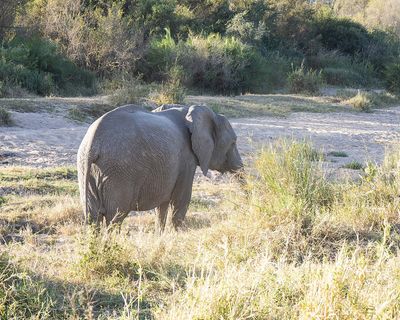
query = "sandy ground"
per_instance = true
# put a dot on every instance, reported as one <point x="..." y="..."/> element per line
<point x="51" y="139"/>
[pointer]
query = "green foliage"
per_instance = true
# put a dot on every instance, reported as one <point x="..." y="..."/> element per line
<point x="21" y="296"/>
<point x="36" y="65"/>
<point x="342" y="70"/>
<point x="127" y="91"/>
<point x="212" y="63"/>
<point x="5" y="117"/>
<point x="226" y="47"/>
<point x="104" y="257"/>
<point x="2" y="89"/>
<point x="392" y="77"/>
<point x="340" y="154"/>
<point x="344" y="35"/>
<point x="171" y="91"/>
<point x="8" y="9"/>
<point x="353" y="165"/>
<point x="289" y="173"/>
<point x="301" y="80"/>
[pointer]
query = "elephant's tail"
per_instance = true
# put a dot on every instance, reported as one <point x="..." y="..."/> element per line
<point x="91" y="195"/>
<point x="87" y="167"/>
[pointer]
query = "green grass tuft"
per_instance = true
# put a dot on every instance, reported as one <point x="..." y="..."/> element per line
<point x="339" y="154"/>
<point x="354" y="165"/>
<point x="5" y="117"/>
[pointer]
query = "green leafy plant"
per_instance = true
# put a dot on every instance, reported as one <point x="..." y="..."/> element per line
<point x="353" y="165"/>
<point x="392" y="77"/>
<point x="5" y="117"/>
<point x="301" y="80"/>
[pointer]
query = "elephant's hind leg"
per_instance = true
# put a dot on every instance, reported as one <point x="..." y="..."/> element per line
<point x="117" y="200"/>
<point x="162" y="212"/>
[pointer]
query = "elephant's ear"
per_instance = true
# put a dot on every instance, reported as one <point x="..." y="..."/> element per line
<point x="201" y="125"/>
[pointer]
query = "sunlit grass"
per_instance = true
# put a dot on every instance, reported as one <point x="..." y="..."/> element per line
<point x="291" y="244"/>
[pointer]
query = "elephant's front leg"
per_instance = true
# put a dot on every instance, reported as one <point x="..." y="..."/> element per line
<point x="181" y="199"/>
<point x="161" y="218"/>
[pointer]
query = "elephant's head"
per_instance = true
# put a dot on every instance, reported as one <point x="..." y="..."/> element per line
<point x="213" y="141"/>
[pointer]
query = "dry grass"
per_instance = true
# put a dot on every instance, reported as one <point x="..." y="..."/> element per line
<point x="290" y="245"/>
<point x="365" y="101"/>
<point x="251" y="105"/>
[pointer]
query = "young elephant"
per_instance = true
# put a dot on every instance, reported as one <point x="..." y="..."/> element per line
<point x="134" y="160"/>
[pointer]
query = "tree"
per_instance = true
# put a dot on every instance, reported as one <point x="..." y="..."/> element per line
<point x="8" y="9"/>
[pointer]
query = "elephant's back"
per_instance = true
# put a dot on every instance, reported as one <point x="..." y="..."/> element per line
<point x="137" y="129"/>
<point x="141" y="150"/>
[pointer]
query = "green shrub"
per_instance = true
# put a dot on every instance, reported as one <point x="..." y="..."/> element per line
<point x="104" y="257"/>
<point x="171" y="91"/>
<point x="128" y="91"/>
<point x="22" y="297"/>
<point x="301" y="80"/>
<point x="36" y="65"/>
<point x="340" y="154"/>
<point x="353" y="165"/>
<point x="5" y="117"/>
<point x="274" y="73"/>
<point x="2" y="89"/>
<point x="342" y="70"/>
<point x="342" y="77"/>
<point x="213" y="63"/>
<point x="291" y="173"/>
<point x="382" y="49"/>
<point x="342" y="34"/>
<point x="392" y="77"/>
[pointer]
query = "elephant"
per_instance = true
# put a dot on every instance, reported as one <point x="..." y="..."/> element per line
<point x="131" y="159"/>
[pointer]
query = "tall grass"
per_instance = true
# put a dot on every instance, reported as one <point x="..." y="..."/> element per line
<point x="212" y="63"/>
<point x="291" y="244"/>
<point x="301" y="80"/>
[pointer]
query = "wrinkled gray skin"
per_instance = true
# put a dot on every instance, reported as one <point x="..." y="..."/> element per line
<point x="134" y="160"/>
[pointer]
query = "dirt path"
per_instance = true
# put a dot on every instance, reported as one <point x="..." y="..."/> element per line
<point x="51" y="139"/>
<point x="362" y="136"/>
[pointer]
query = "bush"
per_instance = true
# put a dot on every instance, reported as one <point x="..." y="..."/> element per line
<point x="353" y="165"/>
<point x="361" y="102"/>
<point x="290" y="173"/>
<point x="301" y="80"/>
<point x="97" y="35"/>
<point x="22" y="297"/>
<point x="170" y="92"/>
<point x="342" y="77"/>
<point x="8" y="9"/>
<point x="392" y="77"/>
<point x="342" y="70"/>
<point x="365" y="100"/>
<point x="36" y="64"/>
<point x="3" y="91"/>
<point x="5" y="117"/>
<point x="342" y="34"/>
<point x="212" y="63"/>
<point x="104" y="257"/>
<point x="128" y="91"/>
<point x="382" y="49"/>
